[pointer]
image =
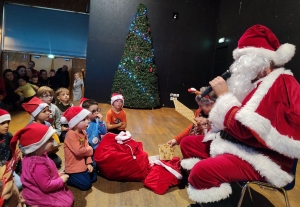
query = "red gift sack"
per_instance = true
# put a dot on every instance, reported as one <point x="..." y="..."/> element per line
<point x="121" y="159"/>
<point x="163" y="175"/>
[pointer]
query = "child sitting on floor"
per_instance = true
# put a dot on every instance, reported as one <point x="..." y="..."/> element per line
<point x="9" y="193"/>
<point x="116" y="116"/>
<point x="97" y="127"/>
<point x="5" y="137"/>
<point x="25" y="90"/>
<point x="40" y="114"/>
<point x="46" y="94"/>
<point x="63" y="103"/>
<point x="42" y="184"/>
<point x="78" y="160"/>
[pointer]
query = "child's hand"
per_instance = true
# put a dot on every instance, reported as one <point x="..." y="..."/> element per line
<point x="100" y="117"/>
<point x="172" y="142"/>
<point x="90" y="168"/>
<point x="120" y="124"/>
<point x="61" y="173"/>
<point x="64" y="128"/>
<point x="64" y="177"/>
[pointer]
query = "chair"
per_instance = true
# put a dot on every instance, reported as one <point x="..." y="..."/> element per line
<point x="266" y="185"/>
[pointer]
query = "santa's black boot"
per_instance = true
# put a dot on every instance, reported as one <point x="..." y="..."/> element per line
<point x="222" y="203"/>
<point x="184" y="181"/>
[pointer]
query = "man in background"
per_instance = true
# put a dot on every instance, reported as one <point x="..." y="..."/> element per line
<point x="62" y="77"/>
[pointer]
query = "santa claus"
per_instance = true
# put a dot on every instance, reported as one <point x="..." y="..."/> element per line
<point x="256" y="119"/>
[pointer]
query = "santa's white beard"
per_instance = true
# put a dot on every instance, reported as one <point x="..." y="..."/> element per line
<point x="243" y="71"/>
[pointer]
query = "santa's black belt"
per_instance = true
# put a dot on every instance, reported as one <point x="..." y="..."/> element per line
<point x="228" y="137"/>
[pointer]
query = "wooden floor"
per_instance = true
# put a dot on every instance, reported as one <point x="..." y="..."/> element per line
<point x="153" y="127"/>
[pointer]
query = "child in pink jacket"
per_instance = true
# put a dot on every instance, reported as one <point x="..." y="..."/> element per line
<point x="42" y="184"/>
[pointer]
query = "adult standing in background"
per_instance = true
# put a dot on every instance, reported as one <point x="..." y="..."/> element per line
<point x="20" y="72"/>
<point x="77" y="87"/>
<point x="62" y="77"/>
<point x="31" y="65"/>
<point x="11" y="99"/>
<point x="43" y="79"/>
<point x="52" y="80"/>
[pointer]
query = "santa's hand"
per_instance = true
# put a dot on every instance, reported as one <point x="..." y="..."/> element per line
<point x="219" y="86"/>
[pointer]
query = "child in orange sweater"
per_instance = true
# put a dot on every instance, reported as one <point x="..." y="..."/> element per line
<point x="116" y="116"/>
<point x="201" y="117"/>
<point x="78" y="153"/>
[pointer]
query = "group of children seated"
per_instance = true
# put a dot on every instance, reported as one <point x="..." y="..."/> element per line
<point x="79" y="127"/>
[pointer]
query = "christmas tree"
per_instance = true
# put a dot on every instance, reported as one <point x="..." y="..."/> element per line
<point x="136" y="78"/>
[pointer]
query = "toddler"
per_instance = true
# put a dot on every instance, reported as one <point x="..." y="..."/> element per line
<point x="5" y="138"/>
<point x="97" y="127"/>
<point x="35" y="81"/>
<point x="25" y="90"/>
<point x="63" y="103"/>
<point x="116" y="116"/>
<point x="42" y="184"/>
<point x="78" y="160"/>
<point x="40" y="114"/>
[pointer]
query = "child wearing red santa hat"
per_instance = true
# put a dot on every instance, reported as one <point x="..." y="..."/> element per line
<point x="78" y="153"/>
<point x="40" y="114"/>
<point x="5" y="138"/>
<point x="202" y="125"/>
<point x="42" y="184"/>
<point x="116" y="116"/>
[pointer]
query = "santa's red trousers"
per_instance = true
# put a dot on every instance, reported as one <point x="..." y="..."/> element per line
<point x="212" y="172"/>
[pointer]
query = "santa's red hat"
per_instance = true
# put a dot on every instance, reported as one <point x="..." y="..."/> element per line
<point x="82" y="100"/>
<point x="261" y="41"/>
<point x="32" y="137"/>
<point x="74" y="115"/>
<point x="34" y="106"/>
<point x="4" y="116"/>
<point x="116" y="96"/>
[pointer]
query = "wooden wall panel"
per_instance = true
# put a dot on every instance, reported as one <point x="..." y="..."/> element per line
<point x="12" y="60"/>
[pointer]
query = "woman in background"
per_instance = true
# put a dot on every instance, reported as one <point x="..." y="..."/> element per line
<point x="77" y="87"/>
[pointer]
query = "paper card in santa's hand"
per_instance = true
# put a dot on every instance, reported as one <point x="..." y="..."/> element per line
<point x="165" y="152"/>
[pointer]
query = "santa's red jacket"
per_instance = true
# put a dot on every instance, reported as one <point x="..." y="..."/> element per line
<point x="267" y="124"/>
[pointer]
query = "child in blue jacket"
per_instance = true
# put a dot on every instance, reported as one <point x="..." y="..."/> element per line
<point x="97" y="127"/>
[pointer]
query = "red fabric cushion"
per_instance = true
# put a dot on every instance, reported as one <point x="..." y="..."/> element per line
<point x="159" y="180"/>
<point x="116" y="161"/>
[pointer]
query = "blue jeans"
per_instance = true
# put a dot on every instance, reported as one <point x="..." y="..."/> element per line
<point x="83" y="180"/>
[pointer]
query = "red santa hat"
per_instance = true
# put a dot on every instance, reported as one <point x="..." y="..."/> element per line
<point x="116" y="96"/>
<point x="74" y="115"/>
<point x="32" y="137"/>
<point x="260" y="40"/>
<point x="34" y="106"/>
<point x="82" y="100"/>
<point x="4" y="116"/>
